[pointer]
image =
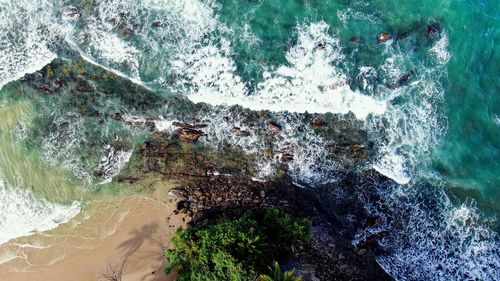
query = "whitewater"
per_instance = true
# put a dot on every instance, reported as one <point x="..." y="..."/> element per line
<point x="184" y="47"/>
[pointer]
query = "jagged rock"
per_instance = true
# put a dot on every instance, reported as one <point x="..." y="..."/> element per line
<point x="318" y="123"/>
<point x="244" y="134"/>
<point x="373" y="222"/>
<point x="150" y="123"/>
<point x="274" y="127"/>
<point x="188" y="126"/>
<point x="373" y="238"/>
<point x="286" y="157"/>
<point x="157" y="23"/>
<point x="85" y="86"/>
<point x="401" y="81"/>
<point x="320" y="46"/>
<point x="384" y="37"/>
<point x="359" y="151"/>
<point x="189" y="135"/>
<point x="240" y="132"/>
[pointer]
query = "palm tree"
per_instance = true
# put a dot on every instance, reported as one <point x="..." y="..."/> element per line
<point x="289" y="275"/>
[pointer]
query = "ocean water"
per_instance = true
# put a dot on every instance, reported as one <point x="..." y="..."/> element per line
<point x="427" y="98"/>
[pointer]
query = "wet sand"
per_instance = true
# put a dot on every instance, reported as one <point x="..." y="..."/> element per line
<point x="131" y="230"/>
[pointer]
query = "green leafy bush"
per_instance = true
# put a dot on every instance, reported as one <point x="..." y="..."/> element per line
<point x="276" y="275"/>
<point x="235" y="247"/>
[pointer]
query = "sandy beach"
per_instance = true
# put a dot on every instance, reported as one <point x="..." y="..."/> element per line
<point x="133" y="231"/>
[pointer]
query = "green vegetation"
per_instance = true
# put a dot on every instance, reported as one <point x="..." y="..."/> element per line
<point x="276" y="275"/>
<point x="236" y="247"/>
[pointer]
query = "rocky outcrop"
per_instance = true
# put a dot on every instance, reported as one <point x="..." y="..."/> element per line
<point x="188" y="132"/>
<point x="205" y="192"/>
<point x="217" y="178"/>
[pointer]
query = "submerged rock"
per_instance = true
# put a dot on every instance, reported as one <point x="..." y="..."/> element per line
<point x="433" y="30"/>
<point x="355" y="40"/>
<point x="402" y="80"/>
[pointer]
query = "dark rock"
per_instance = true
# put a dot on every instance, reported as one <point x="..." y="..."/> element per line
<point x="373" y="222"/>
<point x="240" y="132"/>
<point x="274" y="127"/>
<point x="318" y="123"/>
<point x="403" y="80"/>
<point x="150" y="123"/>
<point x="286" y="157"/>
<point x="244" y="134"/>
<point x="433" y="30"/>
<point x="71" y="12"/>
<point x="188" y="126"/>
<point x="157" y="23"/>
<point x="384" y="37"/>
<point x="189" y="135"/>
<point x="85" y="86"/>
<point x="355" y="40"/>
<point x="320" y="46"/>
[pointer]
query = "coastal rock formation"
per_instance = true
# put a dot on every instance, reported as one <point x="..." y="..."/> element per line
<point x="204" y="194"/>
<point x="209" y="160"/>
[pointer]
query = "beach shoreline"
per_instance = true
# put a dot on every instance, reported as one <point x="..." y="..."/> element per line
<point x="133" y="231"/>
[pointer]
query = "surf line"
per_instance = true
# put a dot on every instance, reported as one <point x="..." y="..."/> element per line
<point x="92" y="61"/>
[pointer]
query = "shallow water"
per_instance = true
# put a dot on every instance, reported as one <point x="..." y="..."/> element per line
<point x="436" y="133"/>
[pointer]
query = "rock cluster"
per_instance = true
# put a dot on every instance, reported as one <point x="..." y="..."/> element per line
<point x="188" y="132"/>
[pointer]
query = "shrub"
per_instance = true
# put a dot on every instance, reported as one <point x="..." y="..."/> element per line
<point x="235" y="247"/>
<point x="276" y="275"/>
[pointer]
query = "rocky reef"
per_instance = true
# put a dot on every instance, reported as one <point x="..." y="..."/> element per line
<point x="220" y="158"/>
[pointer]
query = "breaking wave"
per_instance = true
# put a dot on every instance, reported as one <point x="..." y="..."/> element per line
<point x="22" y="213"/>
<point x="181" y="46"/>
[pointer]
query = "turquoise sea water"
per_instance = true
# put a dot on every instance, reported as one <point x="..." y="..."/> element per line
<point x="437" y="132"/>
<point x="467" y="156"/>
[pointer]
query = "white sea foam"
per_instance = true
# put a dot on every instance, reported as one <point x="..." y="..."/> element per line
<point x="392" y="165"/>
<point x="438" y="242"/>
<point x="440" y="50"/>
<point x="66" y="137"/>
<point x="136" y="38"/>
<point x="406" y="121"/>
<point x="309" y="81"/>
<point x="112" y="164"/>
<point x="413" y="123"/>
<point x="23" y="41"/>
<point x="497" y="119"/>
<point x="350" y="14"/>
<point x="22" y="213"/>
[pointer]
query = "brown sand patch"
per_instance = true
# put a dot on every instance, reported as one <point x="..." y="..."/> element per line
<point x="136" y="230"/>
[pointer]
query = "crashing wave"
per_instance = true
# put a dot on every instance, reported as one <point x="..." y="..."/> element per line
<point x="22" y="213"/>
